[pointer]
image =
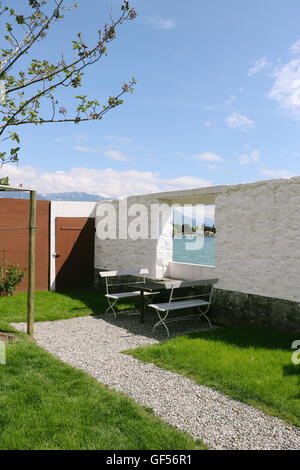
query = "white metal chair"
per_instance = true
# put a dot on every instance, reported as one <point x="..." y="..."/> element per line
<point x="182" y="303"/>
<point x="113" y="297"/>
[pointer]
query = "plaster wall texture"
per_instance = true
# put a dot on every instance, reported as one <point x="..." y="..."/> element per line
<point x="257" y="247"/>
<point x="154" y="252"/>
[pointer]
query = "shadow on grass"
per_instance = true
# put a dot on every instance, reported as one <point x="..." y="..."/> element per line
<point x="92" y="298"/>
<point x="76" y="309"/>
<point x="130" y="321"/>
<point x="128" y="318"/>
<point x="248" y="337"/>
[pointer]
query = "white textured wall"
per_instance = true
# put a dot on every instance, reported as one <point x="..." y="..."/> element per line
<point x="154" y="254"/>
<point x="258" y="239"/>
<point x="191" y="271"/>
<point x="257" y="242"/>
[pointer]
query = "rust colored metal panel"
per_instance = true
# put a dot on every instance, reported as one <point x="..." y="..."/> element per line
<point x="15" y="213"/>
<point x="75" y="240"/>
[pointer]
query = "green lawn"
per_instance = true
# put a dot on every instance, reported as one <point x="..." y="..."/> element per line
<point x="46" y="404"/>
<point x="55" y="305"/>
<point x="248" y="364"/>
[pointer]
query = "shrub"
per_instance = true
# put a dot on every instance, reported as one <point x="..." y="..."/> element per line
<point x="10" y="277"/>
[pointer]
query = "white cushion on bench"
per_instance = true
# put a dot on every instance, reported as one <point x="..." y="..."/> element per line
<point x="180" y="304"/>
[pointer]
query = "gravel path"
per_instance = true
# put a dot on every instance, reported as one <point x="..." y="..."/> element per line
<point x="94" y="345"/>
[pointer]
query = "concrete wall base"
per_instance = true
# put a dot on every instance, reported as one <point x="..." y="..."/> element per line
<point x="237" y="308"/>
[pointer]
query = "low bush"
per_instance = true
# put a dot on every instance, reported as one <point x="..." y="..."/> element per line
<point x="10" y="277"/>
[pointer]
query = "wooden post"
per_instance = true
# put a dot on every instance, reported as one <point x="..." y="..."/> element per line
<point x="31" y="264"/>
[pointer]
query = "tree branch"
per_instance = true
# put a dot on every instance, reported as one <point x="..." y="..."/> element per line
<point x="30" y="43"/>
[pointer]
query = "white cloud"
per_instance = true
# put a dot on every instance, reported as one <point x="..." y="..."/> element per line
<point x="277" y="173"/>
<point x="85" y="149"/>
<point x="230" y="100"/>
<point x="81" y="137"/>
<point x="179" y="154"/>
<point x="111" y="182"/>
<point x="119" y="140"/>
<point x="209" y="157"/>
<point x="211" y="167"/>
<point x="114" y="154"/>
<point x="258" y="66"/>
<point x="253" y="157"/>
<point x="244" y="159"/>
<point x="183" y="182"/>
<point x="240" y="122"/>
<point x="157" y="22"/>
<point x="286" y="88"/>
<point x="59" y="140"/>
<point x="295" y="48"/>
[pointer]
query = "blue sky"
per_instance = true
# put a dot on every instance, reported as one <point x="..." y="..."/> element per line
<point x="217" y="100"/>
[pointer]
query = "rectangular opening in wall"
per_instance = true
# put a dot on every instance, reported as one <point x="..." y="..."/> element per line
<point x="194" y="234"/>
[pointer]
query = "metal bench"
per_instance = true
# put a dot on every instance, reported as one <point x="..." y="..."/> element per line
<point x="113" y="297"/>
<point x="184" y="303"/>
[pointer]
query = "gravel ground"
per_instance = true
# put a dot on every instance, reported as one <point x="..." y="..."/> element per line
<point x="94" y="344"/>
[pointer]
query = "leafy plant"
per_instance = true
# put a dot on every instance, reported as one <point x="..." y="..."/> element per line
<point x="10" y="277"/>
<point x="27" y="82"/>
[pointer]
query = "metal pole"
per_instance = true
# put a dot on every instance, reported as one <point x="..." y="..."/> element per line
<point x="31" y="264"/>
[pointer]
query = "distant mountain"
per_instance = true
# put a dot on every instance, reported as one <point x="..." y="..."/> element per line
<point x="71" y="196"/>
<point x="177" y="219"/>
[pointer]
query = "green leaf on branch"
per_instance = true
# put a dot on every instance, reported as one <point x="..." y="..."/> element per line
<point x="37" y="81"/>
<point x="4" y="181"/>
